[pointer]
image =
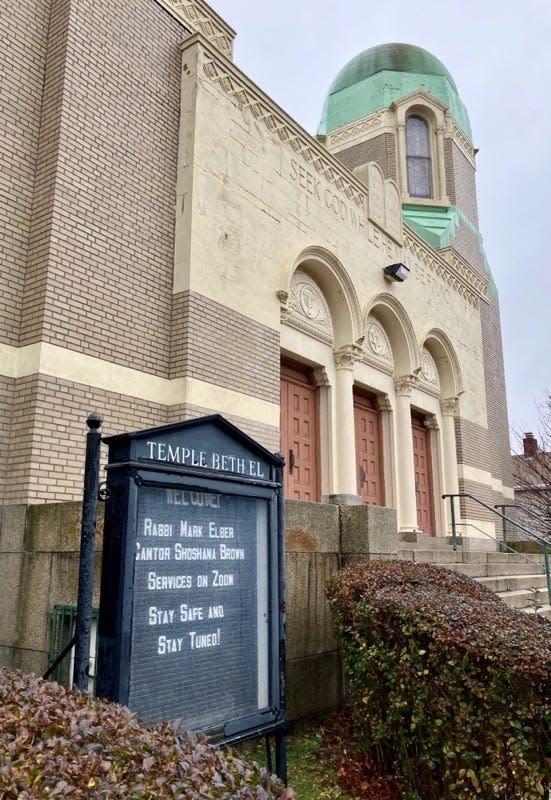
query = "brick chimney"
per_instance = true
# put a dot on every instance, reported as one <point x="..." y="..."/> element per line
<point x="530" y="444"/>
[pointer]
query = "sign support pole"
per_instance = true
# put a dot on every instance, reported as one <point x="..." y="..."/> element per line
<point x="87" y="553"/>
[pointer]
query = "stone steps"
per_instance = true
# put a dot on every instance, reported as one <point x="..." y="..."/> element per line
<point x="512" y="583"/>
<point x="543" y="611"/>
<point x="518" y="579"/>
<point x="525" y="598"/>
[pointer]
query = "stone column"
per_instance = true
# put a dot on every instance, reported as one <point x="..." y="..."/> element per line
<point x="323" y="386"/>
<point x="345" y="436"/>
<point x="387" y="410"/>
<point x="449" y="410"/>
<point x="407" y="504"/>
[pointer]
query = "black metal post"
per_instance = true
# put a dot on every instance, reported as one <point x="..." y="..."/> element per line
<point x="281" y="755"/>
<point x="281" y="734"/>
<point x="454" y="532"/>
<point x="87" y="553"/>
<point x="503" y="524"/>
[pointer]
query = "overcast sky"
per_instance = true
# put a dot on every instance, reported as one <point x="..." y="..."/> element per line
<point x="499" y="55"/>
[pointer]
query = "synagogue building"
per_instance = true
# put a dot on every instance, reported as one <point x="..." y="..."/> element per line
<point x="174" y="245"/>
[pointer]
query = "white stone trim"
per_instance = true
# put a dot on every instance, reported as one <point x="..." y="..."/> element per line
<point x="58" y="362"/>
<point x="485" y="478"/>
<point x="199" y="16"/>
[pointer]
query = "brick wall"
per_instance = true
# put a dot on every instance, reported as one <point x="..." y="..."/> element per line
<point x="266" y="435"/>
<point x="47" y="443"/>
<point x="24" y="30"/>
<point x="216" y="344"/>
<point x="467" y="243"/>
<point x="6" y="400"/>
<point x="381" y="149"/>
<point x="474" y="511"/>
<point x="472" y="444"/>
<point x="103" y="218"/>
<point x="448" y="166"/>
<point x="464" y="184"/>
<point x="496" y="399"/>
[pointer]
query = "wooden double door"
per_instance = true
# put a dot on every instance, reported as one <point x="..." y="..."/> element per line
<point x="369" y="450"/>
<point x="300" y="439"/>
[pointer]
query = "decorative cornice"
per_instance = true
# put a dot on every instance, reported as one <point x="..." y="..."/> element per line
<point x="465" y="270"/>
<point x="448" y="265"/>
<point x="354" y="129"/>
<point x="232" y="82"/>
<point x="461" y="139"/>
<point x="321" y="377"/>
<point x="384" y="403"/>
<point x="404" y="385"/>
<point x="200" y="17"/>
<point x="431" y="422"/>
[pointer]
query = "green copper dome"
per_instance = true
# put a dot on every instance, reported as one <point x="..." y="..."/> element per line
<point x="376" y="77"/>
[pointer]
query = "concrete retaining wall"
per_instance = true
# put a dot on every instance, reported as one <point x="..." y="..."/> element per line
<point x="39" y="550"/>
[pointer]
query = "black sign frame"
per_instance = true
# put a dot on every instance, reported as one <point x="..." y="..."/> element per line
<point x="207" y="457"/>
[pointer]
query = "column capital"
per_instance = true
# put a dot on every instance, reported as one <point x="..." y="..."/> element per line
<point x="346" y="356"/>
<point x="449" y="406"/>
<point x="405" y="384"/>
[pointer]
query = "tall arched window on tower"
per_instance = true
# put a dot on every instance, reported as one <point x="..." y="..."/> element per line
<point x="418" y="159"/>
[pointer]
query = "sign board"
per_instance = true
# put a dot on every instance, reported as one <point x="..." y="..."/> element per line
<point x="191" y="611"/>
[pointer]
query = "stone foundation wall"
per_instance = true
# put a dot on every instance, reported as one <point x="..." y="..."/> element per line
<point x="39" y="550"/>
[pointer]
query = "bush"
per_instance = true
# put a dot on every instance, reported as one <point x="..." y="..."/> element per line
<point x="449" y="688"/>
<point x="59" y="743"/>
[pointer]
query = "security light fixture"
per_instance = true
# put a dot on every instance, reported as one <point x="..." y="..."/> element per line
<point x="396" y="272"/>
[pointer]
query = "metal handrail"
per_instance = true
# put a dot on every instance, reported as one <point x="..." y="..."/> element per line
<point x="505" y="518"/>
<point x="502" y="545"/>
<point x="528" y="511"/>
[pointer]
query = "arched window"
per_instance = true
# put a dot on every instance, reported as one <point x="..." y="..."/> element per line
<point x="418" y="160"/>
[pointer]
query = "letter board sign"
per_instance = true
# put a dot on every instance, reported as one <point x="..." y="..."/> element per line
<point x="191" y="610"/>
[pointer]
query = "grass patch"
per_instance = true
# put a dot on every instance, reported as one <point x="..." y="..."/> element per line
<point x="310" y="772"/>
<point x="324" y="763"/>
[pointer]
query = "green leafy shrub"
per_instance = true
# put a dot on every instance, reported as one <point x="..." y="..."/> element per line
<point x="59" y="743"/>
<point x="449" y="688"/>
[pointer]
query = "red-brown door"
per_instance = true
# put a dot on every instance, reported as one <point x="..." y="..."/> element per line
<point x="423" y="476"/>
<point x="369" y="462"/>
<point x="299" y="437"/>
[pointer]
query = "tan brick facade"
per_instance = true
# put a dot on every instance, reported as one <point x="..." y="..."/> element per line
<point x="103" y="214"/>
<point x="381" y="149"/>
<point x="204" y="329"/>
<point x="24" y="35"/>
<point x="46" y="448"/>
<point x="267" y="436"/>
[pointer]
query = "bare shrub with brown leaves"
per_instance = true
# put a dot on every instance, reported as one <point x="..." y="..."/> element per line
<point x="58" y="743"/>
